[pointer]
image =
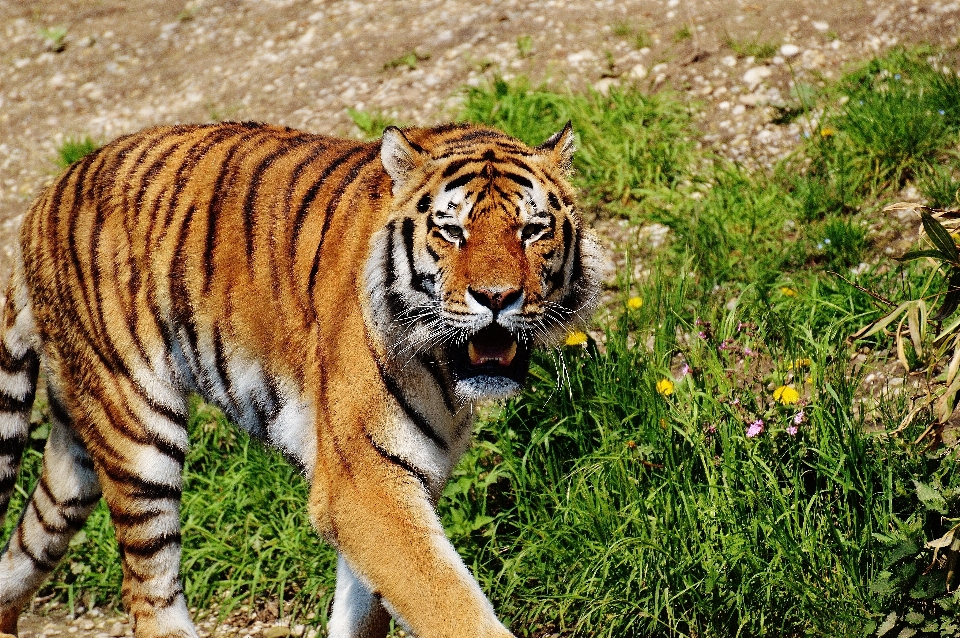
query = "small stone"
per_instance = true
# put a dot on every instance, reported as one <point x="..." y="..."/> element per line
<point x="280" y="631"/>
<point x="738" y="109"/>
<point x="638" y="72"/>
<point x="820" y="26"/>
<point x="789" y="50"/>
<point x="729" y="60"/>
<point x="757" y="74"/>
<point x="87" y="624"/>
<point x="117" y="629"/>
<point x="753" y="99"/>
<point x="603" y="85"/>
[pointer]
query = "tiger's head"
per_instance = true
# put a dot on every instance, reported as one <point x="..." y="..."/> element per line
<point x="484" y="255"/>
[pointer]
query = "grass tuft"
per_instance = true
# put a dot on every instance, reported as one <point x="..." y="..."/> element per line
<point x="73" y="149"/>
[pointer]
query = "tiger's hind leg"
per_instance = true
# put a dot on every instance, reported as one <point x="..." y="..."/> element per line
<point x="139" y="447"/>
<point x="62" y="500"/>
<point x="357" y="612"/>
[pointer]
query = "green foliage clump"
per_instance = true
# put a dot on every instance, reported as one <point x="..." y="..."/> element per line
<point x="73" y="149"/>
<point x="371" y="123"/>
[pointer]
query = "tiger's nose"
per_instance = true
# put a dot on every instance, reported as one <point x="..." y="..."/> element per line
<point x="496" y="300"/>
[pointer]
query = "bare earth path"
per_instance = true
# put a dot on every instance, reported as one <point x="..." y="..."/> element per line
<point x="127" y="64"/>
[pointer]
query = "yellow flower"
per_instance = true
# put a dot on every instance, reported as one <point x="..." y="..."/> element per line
<point x="826" y="132"/>
<point x="786" y="395"/>
<point x="789" y="292"/>
<point x="634" y="303"/>
<point x="577" y="338"/>
<point x="800" y="363"/>
<point x="665" y="387"/>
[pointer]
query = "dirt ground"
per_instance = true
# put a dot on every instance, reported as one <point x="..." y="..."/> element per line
<point x="70" y="68"/>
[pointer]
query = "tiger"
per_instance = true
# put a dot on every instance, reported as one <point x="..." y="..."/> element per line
<point x="348" y="303"/>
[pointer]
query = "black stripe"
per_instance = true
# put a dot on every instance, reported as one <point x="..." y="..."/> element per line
<point x="127" y="520"/>
<point x="417" y="278"/>
<point x="141" y="488"/>
<point x="13" y="365"/>
<point x="11" y="404"/>
<point x="219" y="192"/>
<point x="253" y="191"/>
<point x="456" y="165"/>
<point x="552" y="200"/>
<point x="6" y="484"/>
<point x="82" y="501"/>
<point x="149" y="547"/>
<point x="418" y="419"/>
<point x="314" y="190"/>
<point x="401" y="462"/>
<point x="433" y="367"/>
<point x="519" y="179"/>
<point x="557" y="279"/>
<point x="463" y="180"/>
<point x="332" y="206"/>
<point x="45" y="563"/>
<point x="57" y="409"/>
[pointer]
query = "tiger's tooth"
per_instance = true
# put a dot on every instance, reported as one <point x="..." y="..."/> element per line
<point x="472" y="353"/>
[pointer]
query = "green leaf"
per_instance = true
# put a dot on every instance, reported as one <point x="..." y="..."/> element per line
<point x="888" y="623"/>
<point x="952" y="299"/>
<point x="931" y="498"/>
<point x="940" y="236"/>
<point x="920" y="254"/>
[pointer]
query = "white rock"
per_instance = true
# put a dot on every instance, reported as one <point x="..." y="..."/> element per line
<point x="820" y="26"/>
<point x="723" y="106"/>
<point x="602" y="86"/>
<point x="753" y="99"/>
<point x="738" y="109"/>
<point x="638" y="72"/>
<point x="729" y="60"/>
<point x="660" y="68"/>
<point x="581" y="56"/>
<point x="754" y="76"/>
<point x="789" y="50"/>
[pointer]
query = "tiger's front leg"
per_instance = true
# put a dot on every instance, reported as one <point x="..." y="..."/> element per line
<point x="394" y="552"/>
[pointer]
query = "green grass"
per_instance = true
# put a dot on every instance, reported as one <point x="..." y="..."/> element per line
<point x="73" y="149"/>
<point x="594" y="505"/>
<point x="752" y="48"/>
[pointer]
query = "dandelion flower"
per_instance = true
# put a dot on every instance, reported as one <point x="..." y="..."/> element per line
<point x="755" y="428"/>
<point x="803" y="362"/>
<point x="634" y="303"/>
<point x="826" y="132"/>
<point x="577" y="338"/>
<point x="788" y="292"/>
<point x="665" y="387"/>
<point x="786" y="395"/>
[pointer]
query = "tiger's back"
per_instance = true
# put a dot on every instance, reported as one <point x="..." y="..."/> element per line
<point x="275" y="272"/>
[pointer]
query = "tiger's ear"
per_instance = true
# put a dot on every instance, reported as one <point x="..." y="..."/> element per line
<point x="560" y="147"/>
<point x="400" y="158"/>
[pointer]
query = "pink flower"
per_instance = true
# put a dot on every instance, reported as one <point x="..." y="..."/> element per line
<point x="684" y="371"/>
<point x="755" y="428"/>
<point x="799" y="418"/>
<point x="792" y="430"/>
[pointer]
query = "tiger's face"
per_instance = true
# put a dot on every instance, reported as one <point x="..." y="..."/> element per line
<point x="484" y="257"/>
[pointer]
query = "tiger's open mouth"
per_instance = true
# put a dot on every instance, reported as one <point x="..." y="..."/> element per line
<point x="491" y="351"/>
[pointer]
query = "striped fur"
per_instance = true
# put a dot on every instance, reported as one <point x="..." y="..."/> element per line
<point x="345" y="302"/>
